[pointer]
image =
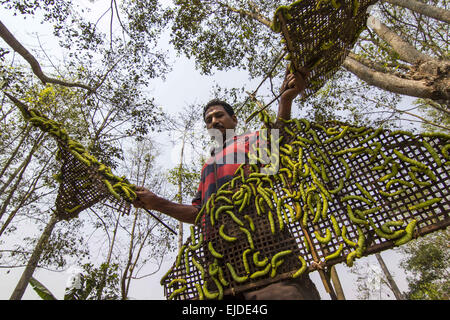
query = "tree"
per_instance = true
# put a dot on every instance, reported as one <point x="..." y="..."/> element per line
<point x="427" y="262"/>
<point x="401" y="54"/>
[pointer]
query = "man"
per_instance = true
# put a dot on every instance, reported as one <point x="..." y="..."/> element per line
<point x="219" y="116"/>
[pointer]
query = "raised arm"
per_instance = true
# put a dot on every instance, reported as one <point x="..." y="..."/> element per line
<point x="293" y="85"/>
<point x="148" y="200"/>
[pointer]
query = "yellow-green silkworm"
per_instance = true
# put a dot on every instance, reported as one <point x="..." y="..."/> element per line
<point x="213" y="251"/>
<point x="271" y="222"/>
<point x="315" y="137"/>
<point x="111" y="189"/>
<point x="72" y="210"/>
<point x="198" y="244"/>
<point x="335" y="225"/>
<point x="180" y="254"/>
<point x="207" y="293"/>
<point x="403" y="182"/>
<point x="348" y="171"/>
<point x="235" y="219"/>
<point x="224" y="236"/>
<point x="235" y="276"/>
<point x="433" y="153"/>
<point x="261" y="273"/>
<point x="353" y="218"/>
<point x="392" y="194"/>
<point x="386" y="226"/>
<point x="257" y="262"/>
<point x="409" y="160"/>
<point x="244" y="259"/>
<point x="325" y="239"/>
<point x="249" y="237"/>
<point x="222" y="279"/>
<point x="424" y="204"/>
<point x="339" y="187"/>
<point x="198" y="266"/>
<point x="337" y="137"/>
<point x="364" y="192"/>
<point x="201" y="296"/>
<point x="359" y="198"/>
<point x="318" y="211"/>
<point x="335" y="254"/>
<point x="225" y="199"/>
<point x="409" y="233"/>
<point x="177" y="292"/>
<point x="350" y="258"/>
<point x="279" y="216"/>
<point x="244" y="203"/>
<point x="444" y="151"/>
<point x="347" y="240"/>
<point x="361" y="243"/>
<point x="348" y="150"/>
<point x="417" y="181"/>
<point x="250" y="222"/>
<point x="382" y="234"/>
<point x="302" y="269"/>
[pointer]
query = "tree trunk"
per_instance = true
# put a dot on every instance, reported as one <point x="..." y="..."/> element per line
<point x="34" y="259"/>
<point x="423" y="8"/>
<point x="392" y="284"/>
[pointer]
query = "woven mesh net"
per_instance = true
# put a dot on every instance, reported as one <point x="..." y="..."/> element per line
<point x="319" y="35"/>
<point x="341" y="192"/>
<point x="83" y="180"/>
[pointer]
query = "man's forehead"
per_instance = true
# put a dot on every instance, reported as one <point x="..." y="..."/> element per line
<point x="213" y="109"/>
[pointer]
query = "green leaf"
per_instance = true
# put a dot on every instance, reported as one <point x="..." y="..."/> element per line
<point x="41" y="290"/>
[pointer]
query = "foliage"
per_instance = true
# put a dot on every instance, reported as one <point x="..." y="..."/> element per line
<point x="427" y="262"/>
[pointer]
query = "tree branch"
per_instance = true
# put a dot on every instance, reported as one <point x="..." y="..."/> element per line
<point x="9" y="38"/>
<point x="388" y="82"/>
<point x="405" y="50"/>
<point x="253" y="15"/>
<point x="423" y="8"/>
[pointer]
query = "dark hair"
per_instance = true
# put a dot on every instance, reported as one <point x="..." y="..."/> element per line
<point x="217" y="102"/>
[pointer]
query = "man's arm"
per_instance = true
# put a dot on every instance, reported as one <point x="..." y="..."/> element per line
<point x="293" y="85"/>
<point x="148" y="200"/>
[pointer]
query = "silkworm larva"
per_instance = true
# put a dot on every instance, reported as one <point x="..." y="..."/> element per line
<point x="289" y="131"/>
<point x="223" y="198"/>
<point x="271" y="222"/>
<point x="347" y="240"/>
<point x="72" y="210"/>
<point x="250" y="222"/>
<point x="417" y="181"/>
<point x="335" y="224"/>
<point x="244" y="203"/>
<point x="177" y="292"/>
<point x="180" y="254"/>
<point x="348" y="171"/>
<point x="336" y="253"/>
<point x="353" y="218"/>
<point x="213" y="251"/>
<point x="339" y="187"/>
<point x="199" y="214"/>
<point x="321" y="187"/>
<point x="258" y="263"/>
<point x="291" y="211"/>
<point x="339" y="136"/>
<point x="198" y="266"/>
<point x="392" y="174"/>
<point x="361" y="243"/>
<point x="444" y="151"/>
<point x="350" y="258"/>
<point x="302" y="269"/>
<point x="409" y="233"/>
<point x="323" y="155"/>
<point x="235" y="219"/>
<point x="325" y="206"/>
<point x="237" y="278"/>
<point x="433" y="153"/>
<point x="318" y="211"/>
<point x="265" y="197"/>
<point x="222" y="279"/>
<point x="436" y="134"/>
<point x="224" y="236"/>
<point x="315" y="137"/>
<point x="364" y="192"/>
<point x="409" y="160"/>
<point x="186" y="261"/>
<point x="363" y="213"/>
<point x="386" y="226"/>
<point x="278" y="256"/>
<point x="392" y="194"/>
<point x="273" y="273"/>
<point x="353" y="197"/>
<point x="403" y="182"/>
<point x="424" y="204"/>
<point x="389" y="236"/>
<point x="209" y="295"/>
<point x="325" y="239"/>
<point x="244" y="259"/>
<point x="261" y="273"/>
<point x="111" y="189"/>
<point x="249" y="237"/>
<point x="201" y="296"/>
<point x="213" y="268"/>
<point x="401" y="132"/>
<point x="279" y="216"/>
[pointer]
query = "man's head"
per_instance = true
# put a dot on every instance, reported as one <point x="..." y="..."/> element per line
<point x="219" y="115"/>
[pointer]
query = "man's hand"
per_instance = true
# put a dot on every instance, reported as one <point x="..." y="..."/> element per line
<point x="293" y="84"/>
<point x="145" y="199"/>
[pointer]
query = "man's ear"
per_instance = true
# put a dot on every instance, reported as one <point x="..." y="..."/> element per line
<point x="235" y="120"/>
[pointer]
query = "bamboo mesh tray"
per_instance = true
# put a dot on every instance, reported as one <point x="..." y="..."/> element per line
<point x="319" y="34"/>
<point x="364" y="177"/>
<point x="83" y="180"/>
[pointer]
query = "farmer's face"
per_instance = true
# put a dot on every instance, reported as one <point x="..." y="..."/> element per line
<point x="217" y="118"/>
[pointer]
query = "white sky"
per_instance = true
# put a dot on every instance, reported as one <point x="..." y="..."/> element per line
<point x="183" y="86"/>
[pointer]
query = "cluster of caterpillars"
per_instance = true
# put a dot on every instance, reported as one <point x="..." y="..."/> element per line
<point x="300" y="195"/>
<point x="119" y="187"/>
